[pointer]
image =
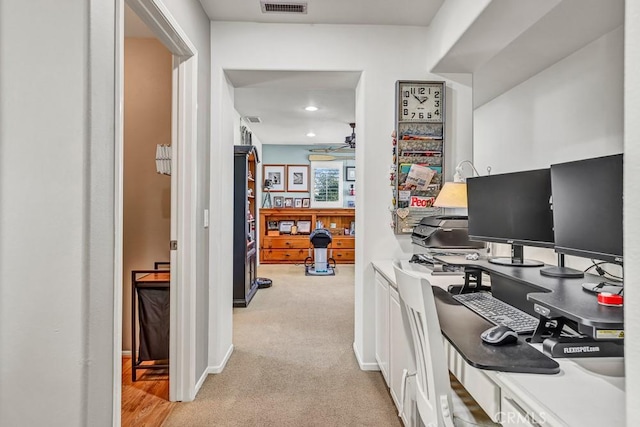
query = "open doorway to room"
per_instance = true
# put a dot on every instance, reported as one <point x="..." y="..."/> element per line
<point x="302" y="125"/>
<point x="146" y="222"/>
<point x="179" y="272"/>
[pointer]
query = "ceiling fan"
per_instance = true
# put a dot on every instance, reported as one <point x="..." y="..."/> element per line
<point x="351" y="139"/>
<point x="348" y="146"/>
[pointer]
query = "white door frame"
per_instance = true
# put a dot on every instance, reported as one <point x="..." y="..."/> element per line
<point x="183" y="189"/>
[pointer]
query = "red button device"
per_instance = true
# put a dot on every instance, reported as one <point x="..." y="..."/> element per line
<point x="606" y="298"/>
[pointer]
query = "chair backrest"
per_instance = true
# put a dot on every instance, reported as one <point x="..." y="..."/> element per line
<point x="433" y="391"/>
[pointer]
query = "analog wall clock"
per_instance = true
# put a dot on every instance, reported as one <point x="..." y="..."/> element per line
<point x="420" y="101"/>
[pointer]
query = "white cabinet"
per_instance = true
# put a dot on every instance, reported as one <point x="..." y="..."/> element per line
<point x="382" y="325"/>
<point x="392" y="347"/>
<point x="514" y="415"/>
<point x="400" y="358"/>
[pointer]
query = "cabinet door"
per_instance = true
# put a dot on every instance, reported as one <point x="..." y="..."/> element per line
<point x="382" y="325"/>
<point x="400" y="358"/>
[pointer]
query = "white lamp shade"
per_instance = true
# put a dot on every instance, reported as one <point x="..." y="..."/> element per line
<point x="452" y="195"/>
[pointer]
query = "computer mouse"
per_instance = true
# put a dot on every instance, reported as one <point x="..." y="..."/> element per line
<point x="499" y="335"/>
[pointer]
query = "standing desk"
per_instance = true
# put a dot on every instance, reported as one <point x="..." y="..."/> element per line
<point x="574" y="396"/>
<point x="550" y="296"/>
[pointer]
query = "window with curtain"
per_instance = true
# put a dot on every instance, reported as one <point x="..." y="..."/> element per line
<point x="327" y="184"/>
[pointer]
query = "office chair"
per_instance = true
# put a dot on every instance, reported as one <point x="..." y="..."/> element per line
<point x="437" y="404"/>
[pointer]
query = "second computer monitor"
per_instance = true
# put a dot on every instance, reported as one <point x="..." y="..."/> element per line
<point x="587" y="208"/>
<point x="512" y="208"/>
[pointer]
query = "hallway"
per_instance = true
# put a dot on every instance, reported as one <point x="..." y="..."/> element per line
<point x="293" y="362"/>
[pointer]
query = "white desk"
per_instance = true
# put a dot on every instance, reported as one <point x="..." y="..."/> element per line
<point x="586" y="392"/>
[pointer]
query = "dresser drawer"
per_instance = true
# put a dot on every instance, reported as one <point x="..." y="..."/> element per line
<point x="283" y="255"/>
<point x="344" y="256"/>
<point x="343" y="243"/>
<point x="286" y="242"/>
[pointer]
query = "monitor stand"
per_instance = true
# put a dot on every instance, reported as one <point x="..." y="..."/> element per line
<point x="561" y="270"/>
<point x="517" y="259"/>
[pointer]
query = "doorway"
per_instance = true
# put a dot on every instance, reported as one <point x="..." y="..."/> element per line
<point x="146" y="219"/>
<point x="182" y="205"/>
<point x="296" y="119"/>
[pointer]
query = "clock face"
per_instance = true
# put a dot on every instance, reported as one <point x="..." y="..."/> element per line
<point x="420" y="102"/>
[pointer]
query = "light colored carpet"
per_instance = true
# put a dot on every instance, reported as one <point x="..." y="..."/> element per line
<point x="293" y="362"/>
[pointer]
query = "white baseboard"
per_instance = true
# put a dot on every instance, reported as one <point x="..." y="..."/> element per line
<point x="126" y="353"/>
<point x="201" y="381"/>
<point x="219" y="368"/>
<point x="373" y="366"/>
<point x="213" y="370"/>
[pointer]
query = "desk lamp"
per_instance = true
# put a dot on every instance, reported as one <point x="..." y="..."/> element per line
<point x="454" y="194"/>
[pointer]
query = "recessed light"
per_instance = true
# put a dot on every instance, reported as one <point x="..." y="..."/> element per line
<point x="311" y="134"/>
<point x="311" y="108"/>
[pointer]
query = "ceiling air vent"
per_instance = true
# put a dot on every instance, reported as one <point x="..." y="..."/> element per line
<point x="283" y="7"/>
<point x="253" y="119"/>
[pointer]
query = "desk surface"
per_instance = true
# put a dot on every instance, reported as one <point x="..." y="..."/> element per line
<point x="574" y="396"/>
<point x="462" y="327"/>
<point x="563" y="296"/>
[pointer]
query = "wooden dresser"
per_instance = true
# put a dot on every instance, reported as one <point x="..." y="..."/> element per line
<point x="279" y="246"/>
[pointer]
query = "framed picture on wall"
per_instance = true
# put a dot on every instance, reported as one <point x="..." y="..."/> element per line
<point x="306" y="202"/>
<point x="288" y="202"/>
<point x="298" y="178"/>
<point x="297" y="203"/>
<point x="278" y="201"/>
<point x="285" y="226"/>
<point x="350" y="173"/>
<point x="304" y="227"/>
<point x="275" y="174"/>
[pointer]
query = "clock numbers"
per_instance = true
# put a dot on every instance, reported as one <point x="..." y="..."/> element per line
<point x="420" y="102"/>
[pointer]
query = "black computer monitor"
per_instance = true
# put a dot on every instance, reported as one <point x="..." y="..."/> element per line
<point x="587" y="210"/>
<point x="512" y="208"/>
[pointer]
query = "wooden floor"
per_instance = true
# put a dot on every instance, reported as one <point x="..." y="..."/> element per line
<point x="145" y="402"/>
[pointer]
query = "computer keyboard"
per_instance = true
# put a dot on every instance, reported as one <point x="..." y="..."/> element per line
<point x="498" y="312"/>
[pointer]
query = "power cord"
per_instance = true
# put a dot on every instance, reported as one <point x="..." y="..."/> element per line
<point x="602" y="272"/>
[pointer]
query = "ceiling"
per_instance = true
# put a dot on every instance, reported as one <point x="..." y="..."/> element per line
<point x="278" y="98"/>
<point x="531" y="37"/>
<point x="363" y="12"/>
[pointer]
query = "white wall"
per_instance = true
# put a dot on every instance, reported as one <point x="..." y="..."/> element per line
<point x="382" y="54"/>
<point x="449" y="24"/>
<point x="56" y="213"/>
<point x="224" y="121"/>
<point x="57" y="192"/>
<point x="570" y="111"/>
<point x="631" y="208"/>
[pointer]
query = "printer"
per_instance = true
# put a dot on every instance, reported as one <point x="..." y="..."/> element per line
<point x="444" y="232"/>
